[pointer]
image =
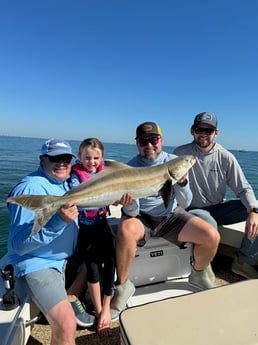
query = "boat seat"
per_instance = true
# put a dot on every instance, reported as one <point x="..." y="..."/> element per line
<point x="232" y="235"/>
<point x="220" y="316"/>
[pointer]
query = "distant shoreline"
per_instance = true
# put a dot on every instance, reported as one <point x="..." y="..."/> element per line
<point x="115" y="143"/>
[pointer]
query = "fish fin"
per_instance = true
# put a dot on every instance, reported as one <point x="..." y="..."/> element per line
<point x="115" y="164"/>
<point x="165" y="192"/>
<point x="110" y="166"/>
<point x="42" y="216"/>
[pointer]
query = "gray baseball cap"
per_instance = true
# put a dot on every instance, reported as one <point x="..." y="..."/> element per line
<point x="207" y="118"/>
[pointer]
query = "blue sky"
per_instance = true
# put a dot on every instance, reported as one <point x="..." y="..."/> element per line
<point x="80" y="68"/>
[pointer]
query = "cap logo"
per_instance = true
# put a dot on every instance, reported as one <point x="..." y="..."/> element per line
<point x="147" y="128"/>
<point x="207" y="117"/>
<point x="48" y="144"/>
<point x="61" y="144"/>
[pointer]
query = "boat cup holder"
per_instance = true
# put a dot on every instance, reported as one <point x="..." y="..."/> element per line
<point x="10" y="300"/>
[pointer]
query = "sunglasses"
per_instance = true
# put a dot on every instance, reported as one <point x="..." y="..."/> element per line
<point x="60" y="159"/>
<point x="153" y="140"/>
<point x="200" y="130"/>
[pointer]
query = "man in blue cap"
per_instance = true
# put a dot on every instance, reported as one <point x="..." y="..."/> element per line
<point x="39" y="260"/>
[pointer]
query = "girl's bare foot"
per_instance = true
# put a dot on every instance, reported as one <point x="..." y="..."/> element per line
<point x="104" y="321"/>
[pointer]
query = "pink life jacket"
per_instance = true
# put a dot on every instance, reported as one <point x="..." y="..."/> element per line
<point x="83" y="176"/>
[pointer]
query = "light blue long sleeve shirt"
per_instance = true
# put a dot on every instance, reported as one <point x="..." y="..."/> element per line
<point x="154" y="205"/>
<point x="53" y="244"/>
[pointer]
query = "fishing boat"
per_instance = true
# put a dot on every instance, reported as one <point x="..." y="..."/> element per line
<point x="160" y="271"/>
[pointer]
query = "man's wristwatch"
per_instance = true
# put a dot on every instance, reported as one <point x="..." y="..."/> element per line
<point x="253" y="209"/>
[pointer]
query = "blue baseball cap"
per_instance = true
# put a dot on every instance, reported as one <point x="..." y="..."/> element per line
<point x="56" y="147"/>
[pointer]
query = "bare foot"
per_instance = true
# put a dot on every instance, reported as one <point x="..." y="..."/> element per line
<point x="104" y="321"/>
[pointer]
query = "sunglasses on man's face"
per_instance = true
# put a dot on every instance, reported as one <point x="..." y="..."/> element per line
<point x="201" y="130"/>
<point x="145" y="141"/>
<point x="60" y="159"/>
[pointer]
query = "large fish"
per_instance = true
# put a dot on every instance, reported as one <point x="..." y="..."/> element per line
<point x="108" y="186"/>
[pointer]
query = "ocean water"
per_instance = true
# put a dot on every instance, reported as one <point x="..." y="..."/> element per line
<point x="20" y="156"/>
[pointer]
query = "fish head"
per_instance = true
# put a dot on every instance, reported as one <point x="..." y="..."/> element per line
<point x="179" y="166"/>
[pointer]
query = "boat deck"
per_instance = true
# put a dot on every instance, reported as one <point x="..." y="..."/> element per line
<point x="231" y="237"/>
<point x="40" y="334"/>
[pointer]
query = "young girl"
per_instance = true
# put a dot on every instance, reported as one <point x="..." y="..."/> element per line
<point x="95" y="241"/>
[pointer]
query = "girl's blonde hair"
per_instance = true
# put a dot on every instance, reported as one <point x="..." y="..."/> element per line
<point x="93" y="143"/>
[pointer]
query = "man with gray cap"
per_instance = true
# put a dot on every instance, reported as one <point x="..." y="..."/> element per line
<point x="39" y="260"/>
<point x="214" y="170"/>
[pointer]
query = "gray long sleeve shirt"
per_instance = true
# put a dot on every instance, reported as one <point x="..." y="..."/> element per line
<point x="212" y="173"/>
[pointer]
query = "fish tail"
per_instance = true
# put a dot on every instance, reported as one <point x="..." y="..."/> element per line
<point x="44" y="207"/>
<point x="42" y="216"/>
<point x="33" y="202"/>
